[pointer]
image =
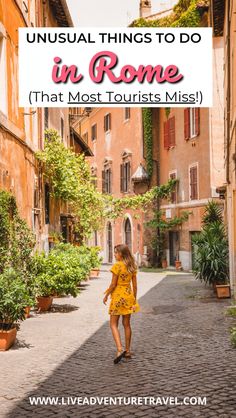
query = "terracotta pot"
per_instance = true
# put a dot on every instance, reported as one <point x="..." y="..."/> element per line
<point x="164" y="264"/>
<point x="44" y="303"/>
<point x="94" y="272"/>
<point x="7" y="339"/>
<point x="178" y="265"/>
<point x="27" y="311"/>
<point x="223" y="291"/>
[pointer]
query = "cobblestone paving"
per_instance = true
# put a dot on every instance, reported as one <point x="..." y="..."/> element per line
<point x="181" y="346"/>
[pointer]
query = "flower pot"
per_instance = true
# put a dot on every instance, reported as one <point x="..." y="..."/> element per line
<point x="178" y="265"/>
<point x="223" y="291"/>
<point x="7" y="339"/>
<point x="44" y="303"/>
<point x="94" y="272"/>
<point x="27" y="311"/>
<point x="164" y="264"/>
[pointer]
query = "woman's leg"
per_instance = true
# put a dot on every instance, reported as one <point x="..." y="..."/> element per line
<point x="114" y="321"/>
<point x="128" y="331"/>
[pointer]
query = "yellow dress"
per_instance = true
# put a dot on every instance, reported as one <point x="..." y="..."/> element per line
<point x="122" y="297"/>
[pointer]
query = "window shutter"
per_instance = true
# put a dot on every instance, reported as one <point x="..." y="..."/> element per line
<point x="109" y="124"/>
<point x="122" y="177"/>
<point x="186" y="124"/>
<point x="109" y="180"/>
<point x="172" y="131"/>
<point x="193" y="183"/>
<point x="197" y="120"/>
<point x="166" y="135"/>
<point x="103" y="182"/>
<point x="128" y="175"/>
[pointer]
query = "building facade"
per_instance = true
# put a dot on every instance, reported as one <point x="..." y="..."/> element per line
<point x="22" y="129"/>
<point x="224" y="24"/>
<point x="115" y="137"/>
<point x="189" y="146"/>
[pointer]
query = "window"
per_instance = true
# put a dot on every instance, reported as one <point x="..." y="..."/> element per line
<point x="94" y="132"/>
<point x="36" y="192"/>
<point x="106" y="180"/>
<point x="125" y="177"/>
<point x="47" y="203"/>
<point x="127" y="113"/>
<point x="107" y="122"/>
<point x="173" y="196"/>
<point x="46" y="115"/>
<point x="62" y="129"/>
<point x="3" y="72"/>
<point x="191" y="122"/>
<point x="169" y="133"/>
<point x="193" y="177"/>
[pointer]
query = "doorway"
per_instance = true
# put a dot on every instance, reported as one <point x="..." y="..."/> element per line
<point x="128" y="234"/>
<point x="193" y="247"/>
<point x="173" y="245"/>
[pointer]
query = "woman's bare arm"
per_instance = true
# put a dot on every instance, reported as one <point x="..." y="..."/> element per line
<point x="134" y="284"/>
<point x="112" y="285"/>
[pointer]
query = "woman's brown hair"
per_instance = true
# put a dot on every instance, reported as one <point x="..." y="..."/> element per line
<point x="127" y="257"/>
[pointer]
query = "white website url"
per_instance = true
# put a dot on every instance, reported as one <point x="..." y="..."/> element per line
<point x="117" y="400"/>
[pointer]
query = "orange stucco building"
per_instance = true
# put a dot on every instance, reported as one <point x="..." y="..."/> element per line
<point x="224" y="24"/>
<point x="115" y="137"/>
<point x="22" y="129"/>
<point x="187" y="145"/>
<point x="190" y="148"/>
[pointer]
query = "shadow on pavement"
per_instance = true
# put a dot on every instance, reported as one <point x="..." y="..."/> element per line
<point x="183" y="351"/>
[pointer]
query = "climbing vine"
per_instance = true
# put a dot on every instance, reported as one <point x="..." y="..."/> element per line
<point x="70" y="180"/>
<point x="147" y="133"/>
<point x="185" y="14"/>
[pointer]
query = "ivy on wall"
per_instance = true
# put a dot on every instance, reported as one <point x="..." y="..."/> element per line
<point x="70" y="180"/>
<point x="185" y="14"/>
<point x="148" y="140"/>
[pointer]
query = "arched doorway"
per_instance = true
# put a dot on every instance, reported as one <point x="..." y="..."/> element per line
<point x="128" y="233"/>
<point x="109" y="243"/>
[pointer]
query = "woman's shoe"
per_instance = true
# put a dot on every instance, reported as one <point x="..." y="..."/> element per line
<point x="127" y="354"/>
<point x="119" y="357"/>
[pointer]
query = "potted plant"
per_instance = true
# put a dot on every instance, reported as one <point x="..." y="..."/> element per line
<point x="212" y="254"/>
<point x="223" y="290"/>
<point x="44" y="284"/>
<point x="178" y="263"/>
<point x="60" y="272"/>
<point x="13" y="299"/>
<point x="164" y="263"/>
<point x="95" y="261"/>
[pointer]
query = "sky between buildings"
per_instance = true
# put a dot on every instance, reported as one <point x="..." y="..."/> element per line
<point x="110" y="12"/>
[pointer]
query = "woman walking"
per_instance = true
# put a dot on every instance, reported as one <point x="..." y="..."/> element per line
<point x="123" y="297"/>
